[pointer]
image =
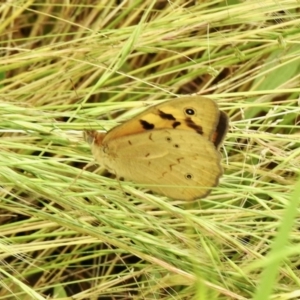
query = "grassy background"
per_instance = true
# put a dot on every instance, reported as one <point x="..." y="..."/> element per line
<point x="66" y="67"/>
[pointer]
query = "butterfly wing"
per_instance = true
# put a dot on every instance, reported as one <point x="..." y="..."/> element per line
<point x="176" y="163"/>
<point x="193" y="113"/>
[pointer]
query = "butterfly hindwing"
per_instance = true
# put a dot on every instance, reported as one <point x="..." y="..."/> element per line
<point x="175" y="163"/>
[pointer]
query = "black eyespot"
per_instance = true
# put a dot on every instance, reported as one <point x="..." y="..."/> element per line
<point x="188" y="176"/>
<point x="176" y="146"/>
<point x="168" y="139"/>
<point x="190" y="111"/>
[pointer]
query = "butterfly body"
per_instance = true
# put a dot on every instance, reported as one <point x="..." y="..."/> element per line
<point x="171" y="148"/>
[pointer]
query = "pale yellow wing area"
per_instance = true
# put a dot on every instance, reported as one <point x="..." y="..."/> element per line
<point x="193" y="113"/>
<point x="176" y="163"/>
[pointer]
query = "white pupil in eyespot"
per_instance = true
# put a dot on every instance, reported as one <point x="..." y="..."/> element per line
<point x="190" y="111"/>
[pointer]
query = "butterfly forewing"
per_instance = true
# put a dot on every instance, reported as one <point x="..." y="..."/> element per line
<point x="196" y="113"/>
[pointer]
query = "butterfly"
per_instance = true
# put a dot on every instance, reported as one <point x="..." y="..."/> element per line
<point x="171" y="148"/>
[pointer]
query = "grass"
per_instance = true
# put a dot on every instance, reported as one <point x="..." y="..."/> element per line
<point x="68" y="229"/>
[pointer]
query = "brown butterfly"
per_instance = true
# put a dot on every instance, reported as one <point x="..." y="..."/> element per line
<point x="171" y="148"/>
